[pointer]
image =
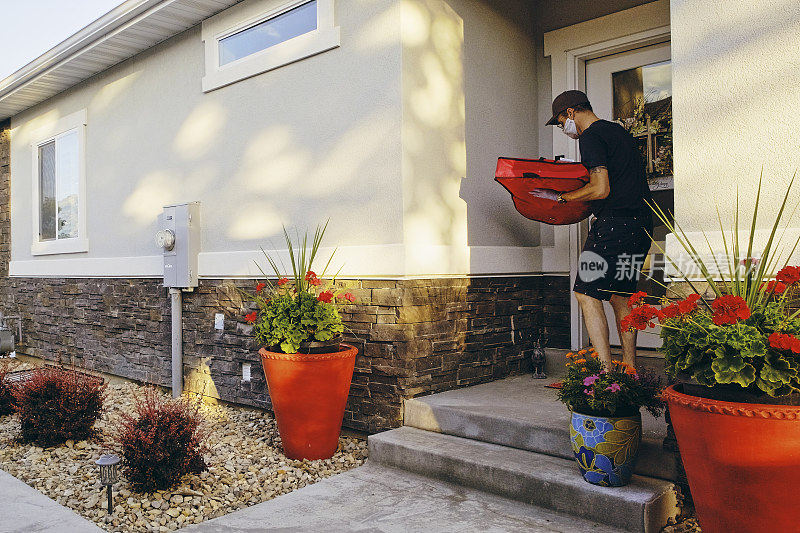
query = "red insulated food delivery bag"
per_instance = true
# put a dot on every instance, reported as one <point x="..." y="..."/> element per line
<point x="520" y="176"/>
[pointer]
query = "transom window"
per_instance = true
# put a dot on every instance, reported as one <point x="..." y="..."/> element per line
<point x="256" y="36"/>
<point x="274" y="30"/>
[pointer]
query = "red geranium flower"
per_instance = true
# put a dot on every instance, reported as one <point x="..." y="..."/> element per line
<point x="312" y="279"/>
<point x="670" y="311"/>
<point x="251" y="317"/>
<point x="349" y="297"/>
<point x="729" y="309"/>
<point x="325" y="296"/>
<point x="640" y="318"/>
<point x="776" y="287"/>
<point x="688" y="304"/>
<point x="636" y="299"/>
<point x="283" y="281"/>
<point x="788" y="275"/>
<point x="260" y="287"/>
<point x="784" y="341"/>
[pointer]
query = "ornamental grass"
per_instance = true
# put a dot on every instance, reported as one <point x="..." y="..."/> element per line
<point x="745" y="338"/>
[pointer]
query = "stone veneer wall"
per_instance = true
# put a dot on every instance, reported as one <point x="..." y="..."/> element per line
<point x="414" y="337"/>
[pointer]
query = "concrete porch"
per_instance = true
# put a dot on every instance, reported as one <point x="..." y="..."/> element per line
<point x="510" y="437"/>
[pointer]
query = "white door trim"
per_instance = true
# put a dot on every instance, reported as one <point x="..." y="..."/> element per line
<point x="569" y="48"/>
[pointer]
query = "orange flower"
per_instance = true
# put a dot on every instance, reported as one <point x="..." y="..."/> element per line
<point x="584" y="369"/>
<point x="630" y="371"/>
<point x="582" y="351"/>
<point x="579" y="361"/>
<point x="568" y="363"/>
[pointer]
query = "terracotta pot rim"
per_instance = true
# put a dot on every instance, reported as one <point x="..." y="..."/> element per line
<point x="722" y="407"/>
<point x="341" y="354"/>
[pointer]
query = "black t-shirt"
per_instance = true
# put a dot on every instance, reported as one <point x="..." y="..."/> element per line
<point x="608" y="144"/>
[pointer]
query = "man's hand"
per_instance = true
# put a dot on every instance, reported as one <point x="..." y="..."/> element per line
<point x="547" y="194"/>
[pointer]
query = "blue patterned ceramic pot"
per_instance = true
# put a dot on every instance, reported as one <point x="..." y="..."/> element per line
<point x="606" y="448"/>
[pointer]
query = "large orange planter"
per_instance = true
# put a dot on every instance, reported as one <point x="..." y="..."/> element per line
<point x="309" y="393"/>
<point x="742" y="462"/>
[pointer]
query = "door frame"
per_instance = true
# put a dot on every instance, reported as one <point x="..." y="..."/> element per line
<point x="569" y="49"/>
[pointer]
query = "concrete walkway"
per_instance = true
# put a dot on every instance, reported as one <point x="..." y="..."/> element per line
<point x="24" y="509"/>
<point x="378" y="499"/>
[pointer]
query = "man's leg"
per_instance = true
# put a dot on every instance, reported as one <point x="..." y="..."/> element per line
<point x="627" y="338"/>
<point x="596" y="324"/>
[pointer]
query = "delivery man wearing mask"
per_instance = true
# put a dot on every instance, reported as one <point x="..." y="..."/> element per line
<point x="618" y="241"/>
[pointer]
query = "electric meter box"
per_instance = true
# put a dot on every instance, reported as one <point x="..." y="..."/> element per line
<point x="179" y="238"/>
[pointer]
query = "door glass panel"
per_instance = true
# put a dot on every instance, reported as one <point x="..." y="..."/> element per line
<point x="47" y="191"/>
<point x="642" y="103"/>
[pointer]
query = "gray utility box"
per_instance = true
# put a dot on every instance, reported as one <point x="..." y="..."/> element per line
<point x="179" y="238"/>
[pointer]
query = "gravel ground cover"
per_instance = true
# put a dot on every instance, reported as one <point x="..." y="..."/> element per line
<point x="245" y="467"/>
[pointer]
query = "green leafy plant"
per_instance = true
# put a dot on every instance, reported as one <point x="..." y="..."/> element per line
<point x="590" y="389"/>
<point x="295" y="312"/>
<point x="746" y="336"/>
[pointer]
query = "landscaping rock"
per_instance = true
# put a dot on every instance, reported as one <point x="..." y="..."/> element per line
<point x="246" y="466"/>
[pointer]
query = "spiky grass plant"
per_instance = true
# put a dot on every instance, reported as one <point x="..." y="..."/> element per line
<point x="292" y="314"/>
<point x="746" y="335"/>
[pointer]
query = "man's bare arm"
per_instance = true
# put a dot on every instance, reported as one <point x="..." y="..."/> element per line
<point x="597" y="188"/>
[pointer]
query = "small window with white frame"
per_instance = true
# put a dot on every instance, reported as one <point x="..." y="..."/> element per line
<point x="59" y="221"/>
<point x="256" y="36"/>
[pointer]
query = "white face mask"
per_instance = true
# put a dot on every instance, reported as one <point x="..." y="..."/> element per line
<point x="570" y="129"/>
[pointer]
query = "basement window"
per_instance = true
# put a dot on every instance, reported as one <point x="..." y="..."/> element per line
<point x="58" y="188"/>
<point x="254" y="37"/>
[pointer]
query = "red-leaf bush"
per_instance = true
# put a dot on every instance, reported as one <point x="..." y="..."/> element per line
<point x="7" y="401"/>
<point x="56" y="405"/>
<point x="161" y="441"/>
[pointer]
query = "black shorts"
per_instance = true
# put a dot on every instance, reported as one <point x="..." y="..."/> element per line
<point x="613" y="255"/>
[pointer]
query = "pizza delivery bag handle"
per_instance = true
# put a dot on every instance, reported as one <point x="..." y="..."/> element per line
<point x="521" y="176"/>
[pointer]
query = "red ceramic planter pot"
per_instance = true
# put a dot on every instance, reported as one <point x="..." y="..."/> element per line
<point x="742" y="462"/>
<point x="309" y="393"/>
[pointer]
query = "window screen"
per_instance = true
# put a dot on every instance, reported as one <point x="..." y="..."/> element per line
<point x="47" y="191"/>
<point x="59" y="179"/>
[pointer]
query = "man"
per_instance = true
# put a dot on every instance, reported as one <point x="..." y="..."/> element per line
<point x="619" y="238"/>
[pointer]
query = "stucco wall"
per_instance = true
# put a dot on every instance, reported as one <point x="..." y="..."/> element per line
<point x="313" y="139"/>
<point x="394" y="136"/>
<point x="736" y="93"/>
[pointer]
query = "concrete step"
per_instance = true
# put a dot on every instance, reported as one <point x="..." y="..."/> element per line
<point x="375" y="498"/>
<point x="519" y="411"/>
<point x="537" y="479"/>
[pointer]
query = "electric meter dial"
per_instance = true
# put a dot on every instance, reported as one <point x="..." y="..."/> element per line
<point x="165" y="239"/>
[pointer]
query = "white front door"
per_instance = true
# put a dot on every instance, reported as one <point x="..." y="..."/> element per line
<point x="635" y="88"/>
